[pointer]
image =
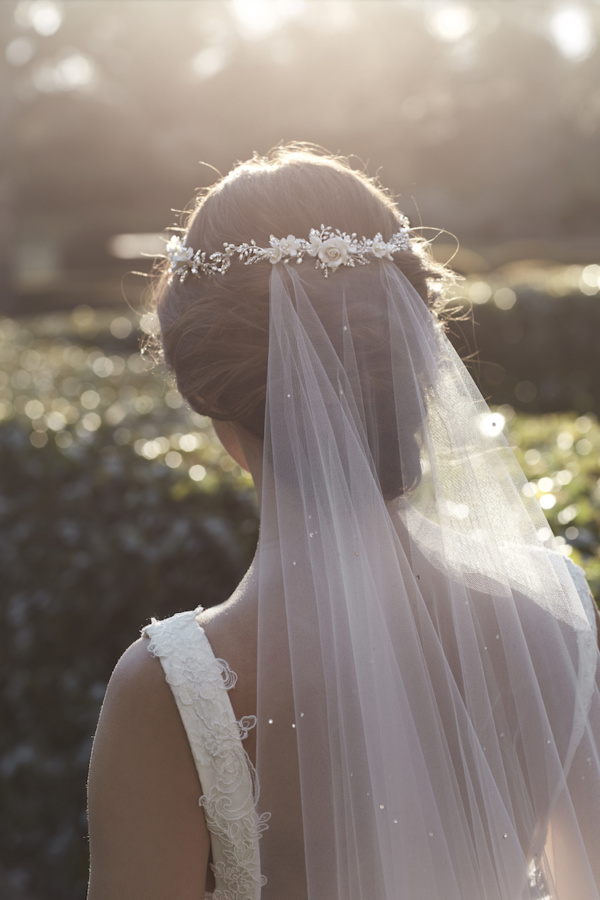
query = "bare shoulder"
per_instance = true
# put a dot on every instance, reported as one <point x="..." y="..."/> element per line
<point x="148" y="837"/>
<point x="138" y="705"/>
<point x="138" y="677"/>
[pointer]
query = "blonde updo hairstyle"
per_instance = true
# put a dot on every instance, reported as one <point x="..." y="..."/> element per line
<point x="215" y="329"/>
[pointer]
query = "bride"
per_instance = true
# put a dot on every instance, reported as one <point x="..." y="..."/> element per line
<point x="401" y="699"/>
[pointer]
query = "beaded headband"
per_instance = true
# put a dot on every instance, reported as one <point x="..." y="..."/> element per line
<point x="330" y="249"/>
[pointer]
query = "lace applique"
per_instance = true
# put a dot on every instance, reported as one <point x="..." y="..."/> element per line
<point x="200" y="682"/>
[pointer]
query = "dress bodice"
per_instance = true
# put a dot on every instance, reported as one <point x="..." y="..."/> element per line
<point x="200" y="682"/>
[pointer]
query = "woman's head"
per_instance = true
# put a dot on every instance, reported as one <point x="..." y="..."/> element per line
<point x="215" y="329"/>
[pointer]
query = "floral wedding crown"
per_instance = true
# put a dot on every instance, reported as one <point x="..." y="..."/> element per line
<point x="330" y="249"/>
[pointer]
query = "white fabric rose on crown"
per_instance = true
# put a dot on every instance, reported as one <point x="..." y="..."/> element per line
<point x="334" y="252"/>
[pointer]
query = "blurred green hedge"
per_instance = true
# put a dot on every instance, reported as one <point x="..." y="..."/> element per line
<point x="537" y="352"/>
<point x="117" y="504"/>
<point x="94" y="541"/>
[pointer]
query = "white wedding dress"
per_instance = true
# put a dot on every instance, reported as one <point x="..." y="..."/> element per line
<point x="200" y="683"/>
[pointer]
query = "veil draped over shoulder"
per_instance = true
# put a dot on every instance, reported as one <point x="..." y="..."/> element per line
<point x="428" y="681"/>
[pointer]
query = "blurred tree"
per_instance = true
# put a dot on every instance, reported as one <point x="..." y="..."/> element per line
<point x="471" y="111"/>
<point x="7" y="106"/>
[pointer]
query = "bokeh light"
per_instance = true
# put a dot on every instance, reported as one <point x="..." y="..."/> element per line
<point x="492" y="424"/>
<point x="571" y="30"/>
<point x="19" y="51"/>
<point x="258" y="18"/>
<point x="451" y="21"/>
<point x="44" y="16"/>
<point x="66" y="392"/>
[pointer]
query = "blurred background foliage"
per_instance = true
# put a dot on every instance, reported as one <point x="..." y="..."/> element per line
<point x="116" y="502"/>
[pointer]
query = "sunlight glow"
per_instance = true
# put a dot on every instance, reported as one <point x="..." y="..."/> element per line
<point x="44" y="16"/>
<point x="571" y="31"/>
<point x="73" y="71"/>
<point x="458" y="510"/>
<point x="451" y="22"/>
<point x="505" y="298"/>
<point x="590" y="280"/>
<point x="19" y="51"/>
<point x="258" y="18"/>
<point x="137" y="246"/>
<point x="70" y="73"/>
<point x="479" y="292"/>
<point x="210" y="61"/>
<point x="492" y="424"/>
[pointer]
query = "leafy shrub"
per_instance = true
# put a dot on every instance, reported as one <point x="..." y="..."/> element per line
<point x="96" y="536"/>
<point x="94" y="541"/>
<point x="560" y="455"/>
<point x="540" y="353"/>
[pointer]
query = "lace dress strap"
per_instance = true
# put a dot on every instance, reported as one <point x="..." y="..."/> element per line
<point x="199" y="682"/>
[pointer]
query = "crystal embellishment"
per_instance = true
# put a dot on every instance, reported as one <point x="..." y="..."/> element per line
<point x="329" y="247"/>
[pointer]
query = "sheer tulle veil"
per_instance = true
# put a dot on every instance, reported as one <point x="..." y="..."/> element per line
<point x="428" y="704"/>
